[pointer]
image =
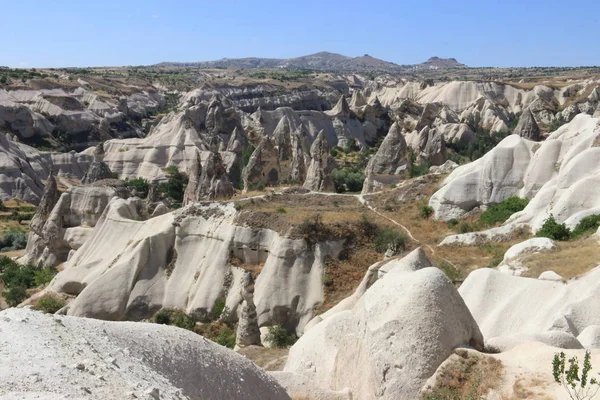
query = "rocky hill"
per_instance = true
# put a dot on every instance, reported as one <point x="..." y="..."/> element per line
<point x="441" y="63"/>
<point x="323" y="61"/>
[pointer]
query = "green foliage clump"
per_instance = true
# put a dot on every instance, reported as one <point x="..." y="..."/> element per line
<point x="465" y="227"/>
<point x="281" y="210"/>
<point x="452" y="223"/>
<point x="219" y="308"/>
<point x="389" y="238"/>
<point x="13" y="241"/>
<point x="140" y="185"/>
<point x="426" y="211"/>
<point x="18" y="278"/>
<point x="553" y="230"/>
<point x="498" y="213"/>
<point x="279" y="337"/>
<point x="244" y="159"/>
<point x="175" y="186"/>
<point x="420" y="169"/>
<point x="348" y="179"/>
<point x="173" y="316"/>
<point x="578" y="385"/>
<point x="587" y="224"/>
<point x="226" y="337"/>
<point x="49" y="304"/>
<point x="258" y="186"/>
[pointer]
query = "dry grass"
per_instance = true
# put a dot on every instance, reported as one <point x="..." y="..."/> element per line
<point x="569" y="260"/>
<point x="466" y="374"/>
<point x="269" y="359"/>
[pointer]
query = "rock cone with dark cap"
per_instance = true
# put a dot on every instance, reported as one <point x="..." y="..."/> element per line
<point x="527" y="127"/>
<point x="98" y="170"/>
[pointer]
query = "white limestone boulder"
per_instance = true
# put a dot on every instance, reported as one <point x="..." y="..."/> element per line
<point x="60" y="357"/>
<point x="391" y="341"/>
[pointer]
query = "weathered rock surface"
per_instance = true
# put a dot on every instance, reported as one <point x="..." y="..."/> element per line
<point x="429" y="145"/>
<point x="506" y="306"/>
<point x="392" y="157"/>
<point x="391" y="341"/>
<point x="527" y="127"/>
<point x="129" y="269"/>
<point x="58" y="357"/>
<point x="98" y="170"/>
<point x="559" y="175"/>
<point x="209" y="182"/>
<point x="318" y="176"/>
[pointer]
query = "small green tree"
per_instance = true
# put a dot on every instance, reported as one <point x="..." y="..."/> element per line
<point x="578" y="386"/>
<point x="553" y="230"/>
<point x="279" y="337"/>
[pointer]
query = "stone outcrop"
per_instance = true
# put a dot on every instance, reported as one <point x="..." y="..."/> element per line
<point x="392" y="157"/>
<point x="508" y="314"/>
<point x="248" y="332"/>
<point x="130" y="269"/>
<point x="60" y="357"/>
<point x="210" y="182"/>
<point x="559" y="175"/>
<point x="527" y="127"/>
<point x="47" y="203"/>
<point x="318" y="176"/>
<point x="393" y="339"/>
<point x="69" y="224"/>
<point x="237" y="141"/>
<point x="98" y="169"/>
<point x="429" y="145"/>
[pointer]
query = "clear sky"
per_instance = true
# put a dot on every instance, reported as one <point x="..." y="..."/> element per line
<point x="45" y="33"/>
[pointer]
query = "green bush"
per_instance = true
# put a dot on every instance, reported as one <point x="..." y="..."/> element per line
<point x="465" y="227"/>
<point x="172" y="316"/>
<point x="498" y="213"/>
<point x="389" y="238"/>
<point x="587" y="224"/>
<point x="281" y="210"/>
<point x="452" y="223"/>
<point x="175" y="186"/>
<point x="226" y="337"/>
<point x="426" y="211"/>
<point x="218" y="309"/>
<point x="43" y="276"/>
<point x="13" y="241"/>
<point x="553" y="230"/>
<point x="140" y="185"/>
<point x="348" y="179"/>
<point x="420" y="169"/>
<point x="279" y="337"/>
<point x="258" y="186"/>
<point x="14" y="295"/>
<point x="49" y="304"/>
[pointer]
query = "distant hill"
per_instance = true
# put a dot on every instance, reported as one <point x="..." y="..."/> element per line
<point x="323" y="61"/>
<point x="441" y="63"/>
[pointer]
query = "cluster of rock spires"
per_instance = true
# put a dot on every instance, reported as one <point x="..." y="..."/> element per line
<point x="98" y="170"/>
<point x="210" y="182"/>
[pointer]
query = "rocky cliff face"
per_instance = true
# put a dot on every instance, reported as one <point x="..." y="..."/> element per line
<point x="318" y="176"/>
<point x="527" y="127"/>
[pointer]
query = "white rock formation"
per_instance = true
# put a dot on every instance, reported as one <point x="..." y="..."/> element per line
<point x="58" y="357"/>
<point x="559" y="175"/>
<point x="318" y="176"/>
<point x="392" y="340"/>
<point x="511" y="262"/>
<point x="514" y="308"/>
<point x="129" y="269"/>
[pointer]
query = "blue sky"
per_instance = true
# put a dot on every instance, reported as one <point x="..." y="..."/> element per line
<point x="503" y="33"/>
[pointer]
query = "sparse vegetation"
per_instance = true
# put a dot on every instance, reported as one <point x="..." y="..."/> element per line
<point x="426" y="211"/>
<point x="173" y="316"/>
<point x="49" y="304"/>
<point x="390" y="239"/>
<point x="279" y="337"/>
<point x="454" y="275"/>
<point x="281" y="210"/>
<point x="499" y="213"/>
<point x="574" y="378"/>
<point x="586" y="225"/>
